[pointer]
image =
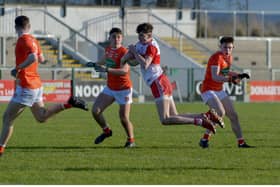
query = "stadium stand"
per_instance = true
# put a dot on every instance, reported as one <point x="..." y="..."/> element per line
<point x="188" y="49"/>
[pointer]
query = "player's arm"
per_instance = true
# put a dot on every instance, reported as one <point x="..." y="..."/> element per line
<point x="215" y="72"/>
<point x="31" y="58"/>
<point x="124" y="67"/>
<point x="144" y="61"/>
<point x="41" y="59"/>
<point x="119" y="71"/>
<point x="128" y="56"/>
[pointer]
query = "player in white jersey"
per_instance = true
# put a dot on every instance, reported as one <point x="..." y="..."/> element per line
<point x="147" y="53"/>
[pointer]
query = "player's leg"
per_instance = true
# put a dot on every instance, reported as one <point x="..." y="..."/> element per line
<point x="11" y="113"/>
<point x="173" y="111"/>
<point x="162" y="91"/>
<point x="42" y="113"/>
<point x="124" y="99"/>
<point x="172" y="107"/>
<point x="124" y="113"/>
<point x="163" y="109"/>
<point x="101" y="103"/>
<point x="212" y="99"/>
<point x="234" y="121"/>
<point x="21" y="98"/>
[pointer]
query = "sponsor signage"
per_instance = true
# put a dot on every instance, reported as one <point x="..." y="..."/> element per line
<point x="89" y="90"/>
<point x="60" y="90"/>
<point x="7" y="88"/>
<point x="264" y="91"/>
<point x="54" y="90"/>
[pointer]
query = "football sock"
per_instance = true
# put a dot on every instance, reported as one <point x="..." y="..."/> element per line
<point x="206" y="136"/>
<point x="106" y="130"/>
<point x="208" y="115"/>
<point x="240" y="141"/>
<point x="2" y="149"/>
<point x="197" y="121"/>
<point x="130" y="140"/>
<point x="66" y="105"/>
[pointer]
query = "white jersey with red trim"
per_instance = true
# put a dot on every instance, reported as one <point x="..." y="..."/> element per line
<point x="154" y="70"/>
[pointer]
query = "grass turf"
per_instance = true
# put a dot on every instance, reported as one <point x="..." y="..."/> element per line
<point x="61" y="151"/>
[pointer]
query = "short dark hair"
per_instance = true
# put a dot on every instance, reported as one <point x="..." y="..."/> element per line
<point x="226" y="39"/>
<point x="144" y="28"/>
<point x="22" y="21"/>
<point x="115" y="30"/>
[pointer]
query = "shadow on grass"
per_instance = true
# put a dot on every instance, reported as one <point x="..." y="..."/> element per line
<point x="58" y="148"/>
<point x="135" y="169"/>
<point x="162" y="147"/>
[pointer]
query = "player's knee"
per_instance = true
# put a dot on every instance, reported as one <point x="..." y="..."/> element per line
<point x="221" y="113"/>
<point x="96" y="111"/>
<point x="124" y="120"/>
<point x="41" y="116"/>
<point x="233" y="116"/>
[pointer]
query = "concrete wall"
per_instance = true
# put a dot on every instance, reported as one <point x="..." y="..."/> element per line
<point x="77" y="15"/>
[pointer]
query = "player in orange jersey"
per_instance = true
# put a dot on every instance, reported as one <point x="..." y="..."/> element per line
<point x="147" y="53"/>
<point x="119" y="88"/>
<point x="218" y="72"/>
<point x="29" y="91"/>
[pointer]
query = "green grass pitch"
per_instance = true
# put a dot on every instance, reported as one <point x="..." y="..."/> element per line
<point x="61" y="151"/>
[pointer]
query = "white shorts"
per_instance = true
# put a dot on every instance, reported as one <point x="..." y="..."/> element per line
<point x="27" y="96"/>
<point x="211" y="94"/>
<point x="122" y="97"/>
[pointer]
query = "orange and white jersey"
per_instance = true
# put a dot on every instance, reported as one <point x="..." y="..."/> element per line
<point x="113" y="60"/>
<point x="29" y="76"/>
<point x="150" y="50"/>
<point x="223" y="62"/>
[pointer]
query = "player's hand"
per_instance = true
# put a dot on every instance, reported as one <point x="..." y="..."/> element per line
<point x="90" y="64"/>
<point x="243" y="75"/>
<point x="234" y="79"/>
<point x="100" y="68"/>
<point x="132" y="49"/>
<point x="14" y="72"/>
<point x="44" y="62"/>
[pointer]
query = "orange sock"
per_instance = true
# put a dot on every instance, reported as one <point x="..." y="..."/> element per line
<point x="2" y="149"/>
<point x="130" y="140"/>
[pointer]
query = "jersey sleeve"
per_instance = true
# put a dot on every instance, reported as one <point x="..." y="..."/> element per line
<point x="31" y="46"/>
<point x="216" y="60"/>
<point x="151" y="51"/>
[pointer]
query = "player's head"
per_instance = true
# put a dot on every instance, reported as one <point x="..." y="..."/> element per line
<point x="22" y="23"/>
<point x="226" y="44"/>
<point x="144" y="31"/>
<point x="115" y="37"/>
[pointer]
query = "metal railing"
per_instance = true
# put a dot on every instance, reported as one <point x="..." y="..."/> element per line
<point x="45" y="23"/>
<point x="214" y="23"/>
<point x="103" y="24"/>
